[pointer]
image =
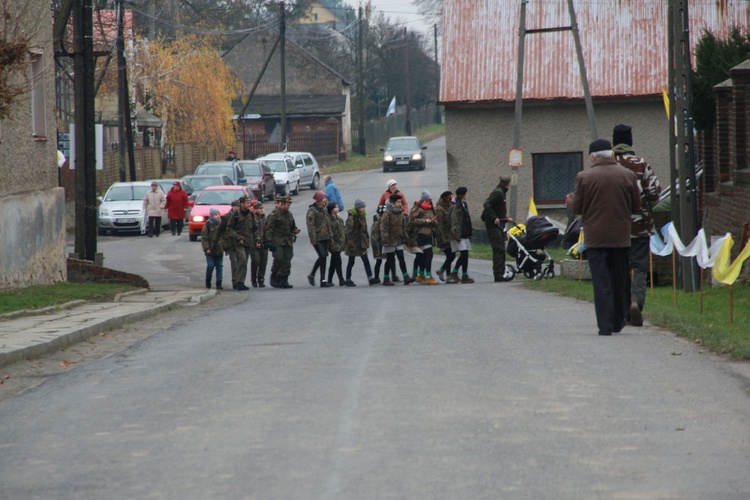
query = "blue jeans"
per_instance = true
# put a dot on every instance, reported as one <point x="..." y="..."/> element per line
<point x="215" y="262"/>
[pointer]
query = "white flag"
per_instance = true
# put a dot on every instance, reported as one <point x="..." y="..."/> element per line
<point x="391" y="107"/>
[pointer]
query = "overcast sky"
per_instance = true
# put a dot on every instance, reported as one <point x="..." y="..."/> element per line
<point x="403" y="9"/>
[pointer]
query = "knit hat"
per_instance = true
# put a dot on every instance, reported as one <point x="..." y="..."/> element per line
<point x="461" y="190"/>
<point x="446" y="194"/>
<point x="391" y="183"/>
<point x="176" y="183"/>
<point x="213" y="212"/>
<point x="425" y="195"/>
<point x="359" y="203"/>
<point x="600" y="145"/>
<point x="622" y="134"/>
<point x="319" y="195"/>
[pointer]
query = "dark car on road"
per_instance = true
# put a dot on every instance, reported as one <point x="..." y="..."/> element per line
<point x="259" y="178"/>
<point x="403" y="153"/>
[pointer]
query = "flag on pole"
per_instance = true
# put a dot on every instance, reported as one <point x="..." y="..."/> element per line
<point x="665" y="98"/>
<point x="391" y="107"/>
<point x="532" y="208"/>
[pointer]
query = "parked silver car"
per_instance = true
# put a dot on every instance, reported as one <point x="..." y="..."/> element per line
<point x="305" y="164"/>
<point x="121" y="208"/>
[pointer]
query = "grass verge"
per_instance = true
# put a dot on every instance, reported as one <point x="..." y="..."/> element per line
<point x="357" y="162"/>
<point x="35" y="297"/>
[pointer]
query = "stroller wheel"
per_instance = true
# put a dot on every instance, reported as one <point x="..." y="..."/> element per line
<point x="510" y="273"/>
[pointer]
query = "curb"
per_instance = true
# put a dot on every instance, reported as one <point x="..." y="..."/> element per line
<point x="54" y="342"/>
<point x="42" y="310"/>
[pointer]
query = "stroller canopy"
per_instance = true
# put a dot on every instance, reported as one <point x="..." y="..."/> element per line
<point x="539" y="232"/>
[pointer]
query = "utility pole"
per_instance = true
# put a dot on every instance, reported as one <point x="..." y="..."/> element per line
<point x="516" y="157"/>
<point x="361" y="85"/>
<point x="282" y="54"/>
<point x="125" y="129"/>
<point x="408" y="87"/>
<point x="683" y="131"/>
<point x="438" y="117"/>
<point x="582" y="72"/>
<point x="518" y="109"/>
<point x="85" y="167"/>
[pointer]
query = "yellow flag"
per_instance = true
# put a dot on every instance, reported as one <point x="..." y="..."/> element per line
<point x="725" y="272"/>
<point x="532" y="208"/>
<point x="665" y="97"/>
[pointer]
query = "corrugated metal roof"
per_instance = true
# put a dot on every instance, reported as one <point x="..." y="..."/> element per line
<point x="624" y="46"/>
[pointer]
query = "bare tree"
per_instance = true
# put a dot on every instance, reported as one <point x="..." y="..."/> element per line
<point x="16" y="35"/>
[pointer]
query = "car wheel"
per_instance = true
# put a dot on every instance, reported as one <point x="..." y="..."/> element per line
<point x="315" y="182"/>
<point x="193" y="237"/>
<point x="385" y="169"/>
<point x="296" y="189"/>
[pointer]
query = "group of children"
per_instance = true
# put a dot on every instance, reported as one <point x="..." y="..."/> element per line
<point x="394" y="230"/>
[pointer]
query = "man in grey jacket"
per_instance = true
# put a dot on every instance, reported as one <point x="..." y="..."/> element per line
<point x="605" y="196"/>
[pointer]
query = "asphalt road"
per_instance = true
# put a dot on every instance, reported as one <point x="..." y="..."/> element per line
<point x="465" y="391"/>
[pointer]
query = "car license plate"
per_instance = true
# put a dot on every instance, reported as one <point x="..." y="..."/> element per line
<point x="126" y="221"/>
<point x="402" y="162"/>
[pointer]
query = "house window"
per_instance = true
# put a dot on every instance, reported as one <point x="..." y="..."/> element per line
<point x="38" y="104"/>
<point x="554" y="175"/>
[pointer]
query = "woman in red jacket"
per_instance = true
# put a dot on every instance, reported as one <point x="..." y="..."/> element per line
<point x="177" y="203"/>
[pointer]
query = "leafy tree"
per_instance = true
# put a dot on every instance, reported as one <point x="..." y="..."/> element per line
<point x="187" y="84"/>
<point x="714" y="58"/>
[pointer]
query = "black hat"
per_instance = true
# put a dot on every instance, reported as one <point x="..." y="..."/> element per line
<point x="600" y="145"/>
<point x="622" y="134"/>
<point x="446" y="194"/>
<point x="243" y="199"/>
<point x="461" y="190"/>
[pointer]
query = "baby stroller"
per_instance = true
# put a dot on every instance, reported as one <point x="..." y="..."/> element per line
<point x="527" y="247"/>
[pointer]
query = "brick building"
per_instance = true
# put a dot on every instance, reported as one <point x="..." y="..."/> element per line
<point x="726" y="158"/>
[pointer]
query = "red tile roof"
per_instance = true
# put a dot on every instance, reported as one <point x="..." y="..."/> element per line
<point x="624" y="46"/>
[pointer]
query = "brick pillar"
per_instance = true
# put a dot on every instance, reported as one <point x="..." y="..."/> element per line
<point x="740" y="75"/>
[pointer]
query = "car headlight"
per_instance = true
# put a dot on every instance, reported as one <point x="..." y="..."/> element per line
<point x="103" y="212"/>
<point x="417" y="157"/>
<point x="254" y="186"/>
<point x="198" y="218"/>
<point x="388" y="158"/>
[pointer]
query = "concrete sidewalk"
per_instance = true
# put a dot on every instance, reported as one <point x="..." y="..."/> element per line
<point x="31" y="334"/>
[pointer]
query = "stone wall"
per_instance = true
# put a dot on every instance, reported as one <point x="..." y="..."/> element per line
<point x="32" y="206"/>
<point x="32" y="247"/>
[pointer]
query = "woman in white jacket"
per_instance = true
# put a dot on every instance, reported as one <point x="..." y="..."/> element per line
<point x="153" y="206"/>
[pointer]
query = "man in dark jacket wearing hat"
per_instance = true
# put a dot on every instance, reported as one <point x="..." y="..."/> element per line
<point x="642" y="223"/>
<point x="606" y="195"/>
<point x="495" y="216"/>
